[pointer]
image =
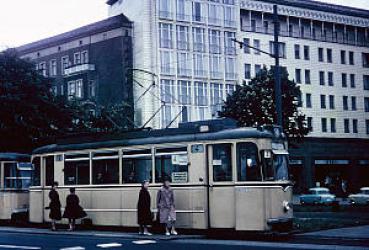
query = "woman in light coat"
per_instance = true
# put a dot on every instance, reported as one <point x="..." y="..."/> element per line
<point x="166" y="208"/>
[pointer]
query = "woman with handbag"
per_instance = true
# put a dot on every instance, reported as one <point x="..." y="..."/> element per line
<point x="166" y="207"/>
<point x="144" y="215"/>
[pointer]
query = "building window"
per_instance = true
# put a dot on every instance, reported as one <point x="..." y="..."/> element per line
<point x="201" y="93"/>
<point x="324" y="125"/>
<point x="344" y="80"/>
<point x="200" y="64"/>
<point x="321" y="54"/>
<point x="165" y="9"/>
<point x="182" y="38"/>
<point x="230" y="68"/>
<point x="366" y="104"/>
<point x="215" y="12"/>
<point x="216" y="66"/>
<point x="329" y="56"/>
<point x="331" y="102"/>
<point x="352" y="81"/>
<point x="297" y="51"/>
<point x="216" y="98"/>
<point x="198" y="12"/>
<point x="247" y="71"/>
<point x="354" y="126"/>
<point x="84" y="57"/>
<point x="214" y="41"/>
<point x="91" y="88"/>
<point x="367" y="126"/>
<point x="53" y="68"/>
<point x="246" y="44"/>
<point x="306" y="52"/>
<point x="351" y="58"/>
<point x="307" y="76"/>
<point x="77" y="58"/>
<point x="333" y="125"/>
<point x="257" y="69"/>
<point x="308" y="100"/>
<point x="365" y="57"/>
<point x="343" y="57"/>
<point x="42" y="68"/>
<point x="184" y="92"/>
<point x="282" y="49"/>
<point x="253" y="25"/>
<point x="165" y="35"/>
<point x="75" y="89"/>
<point x="330" y="79"/>
<point x="198" y="39"/>
<point x="229" y="16"/>
<point x="184" y="64"/>
<point x="64" y="63"/>
<point x="310" y="123"/>
<point x="298" y="75"/>
<point x="321" y="78"/>
<point x="323" y="102"/>
<point x="266" y="27"/>
<point x="366" y="82"/>
<point x="345" y="102"/>
<point x="230" y="47"/>
<point x="257" y="46"/>
<point x="353" y="103"/>
<point x="166" y="64"/>
<point x="166" y="116"/>
<point x="184" y="10"/>
<point x="346" y="123"/>
<point x="167" y="91"/>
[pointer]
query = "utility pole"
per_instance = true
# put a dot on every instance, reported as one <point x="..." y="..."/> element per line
<point x="277" y="70"/>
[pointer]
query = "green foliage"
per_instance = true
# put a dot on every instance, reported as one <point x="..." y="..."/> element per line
<point x="253" y="104"/>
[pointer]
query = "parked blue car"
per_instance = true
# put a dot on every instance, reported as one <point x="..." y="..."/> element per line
<point x="318" y="196"/>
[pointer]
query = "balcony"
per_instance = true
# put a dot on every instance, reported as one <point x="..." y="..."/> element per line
<point x="77" y="69"/>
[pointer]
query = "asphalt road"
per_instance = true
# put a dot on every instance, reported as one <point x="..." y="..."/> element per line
<point x="29" y="241"/>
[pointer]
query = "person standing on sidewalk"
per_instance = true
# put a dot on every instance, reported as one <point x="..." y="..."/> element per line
<point x="73" y="210"/>
<point x="144" y="215"/>
<point x="166" y="207"/>
<point x="54" y="206"/>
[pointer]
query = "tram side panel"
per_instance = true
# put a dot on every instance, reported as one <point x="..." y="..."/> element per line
<point x="36" y="205"/>
<point x="11" y="202"/>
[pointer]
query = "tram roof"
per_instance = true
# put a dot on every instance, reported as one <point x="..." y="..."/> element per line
<point x="14" y="157"/>
<point x="185" y="133"/>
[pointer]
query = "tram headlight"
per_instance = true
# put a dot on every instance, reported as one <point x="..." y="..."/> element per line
<point x="286" y="206"/>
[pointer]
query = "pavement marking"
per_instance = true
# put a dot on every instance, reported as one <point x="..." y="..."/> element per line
<point x="109" y="245"/>
<point x="143" y="242"/>
<point x="19" y="247"/>
<point x="73" y="248"/>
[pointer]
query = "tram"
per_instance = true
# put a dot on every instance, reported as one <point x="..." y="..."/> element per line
<point x="15" y="170"/>
<point x="223" y="176"/>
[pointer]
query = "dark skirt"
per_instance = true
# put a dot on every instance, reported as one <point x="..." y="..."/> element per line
<point x="55" y="213"/>
<point x="75" y="212"/>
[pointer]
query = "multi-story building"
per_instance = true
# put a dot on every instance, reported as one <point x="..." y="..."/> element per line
<point x="90" y="64"/>
<point x="187" y="63"/>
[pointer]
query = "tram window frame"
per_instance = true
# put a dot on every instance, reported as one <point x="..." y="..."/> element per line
<point x="109" y="172"/>
<point x="267" y="165"/>
<point x="163" y="155"/>
<point x="229" y="177"/>
<point x="130" y="160"/>
<point x="49" y="170"/>
<point x="254" y="164"/>
<point x="36" y="173"/>
<point x="78" y="162"/>
<point x="15" y="178"/>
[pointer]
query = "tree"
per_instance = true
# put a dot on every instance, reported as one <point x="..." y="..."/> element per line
<point x="253" y="104"/>
<point x="30" y="115"/>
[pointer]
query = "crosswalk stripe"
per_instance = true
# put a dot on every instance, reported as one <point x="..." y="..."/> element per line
<point x="19" y="247"/>
<point x="143" y="242"/>
<point x="73" y="248"/>
<point x="109" y="245"/>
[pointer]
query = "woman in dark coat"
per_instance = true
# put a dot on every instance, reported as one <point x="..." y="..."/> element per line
<point x="73" y="210"/>
<point x="54" y="206"/>
<point x="144" y="217"/>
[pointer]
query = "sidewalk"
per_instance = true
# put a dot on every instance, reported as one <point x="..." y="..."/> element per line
<point x="348" y="233"/>
<point x="93" y="233"/>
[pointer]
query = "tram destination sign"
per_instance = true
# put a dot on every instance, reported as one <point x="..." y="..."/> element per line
<point x="179" y="177"/>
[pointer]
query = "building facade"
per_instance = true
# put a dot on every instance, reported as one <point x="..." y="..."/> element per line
<point x="90" y="64"/>
<point x="186" y="63"/>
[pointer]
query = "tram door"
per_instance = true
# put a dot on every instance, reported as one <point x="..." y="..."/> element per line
<point x="221" y="189"/>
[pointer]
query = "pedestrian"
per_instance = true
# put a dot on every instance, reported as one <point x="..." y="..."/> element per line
<point x="54" y="205"/>
<point x="73" y="210"/>
<point x="166" y="207"/>
<point x="144" y="215"/>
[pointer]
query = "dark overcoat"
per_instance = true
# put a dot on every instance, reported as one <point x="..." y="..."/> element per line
<point x="165" y="204"/>
<point x="144" y="216"/>
<point x="54" y="205"/>
<point x="73" y="210"/>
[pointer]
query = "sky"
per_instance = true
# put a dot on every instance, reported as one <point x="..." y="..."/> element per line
<point x="25" y="21"/>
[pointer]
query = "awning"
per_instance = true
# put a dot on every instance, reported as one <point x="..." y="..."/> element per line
<point x="280" y="152"/>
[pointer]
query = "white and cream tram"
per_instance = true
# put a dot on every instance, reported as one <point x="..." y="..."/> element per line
<point x="224" y="177"/>
<point x="15" y="170"/>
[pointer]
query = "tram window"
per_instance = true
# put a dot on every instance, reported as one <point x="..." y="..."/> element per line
<point x="36" y="173"/>
<point x="105" y="171"/>
<point x="49" y="161"/>
<point x="171" y="163"/>
<point x="17" y="176"/>
<point x="137" y="166"/>
<point x="222" y="162"/>
<point x="268" y="169"/>
<point x="77" y="172"/>
<point x="280" y="163"/>
<point x="248" y="167"/>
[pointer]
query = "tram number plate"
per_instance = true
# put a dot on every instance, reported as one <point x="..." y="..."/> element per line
<point x="197" y="148"/>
